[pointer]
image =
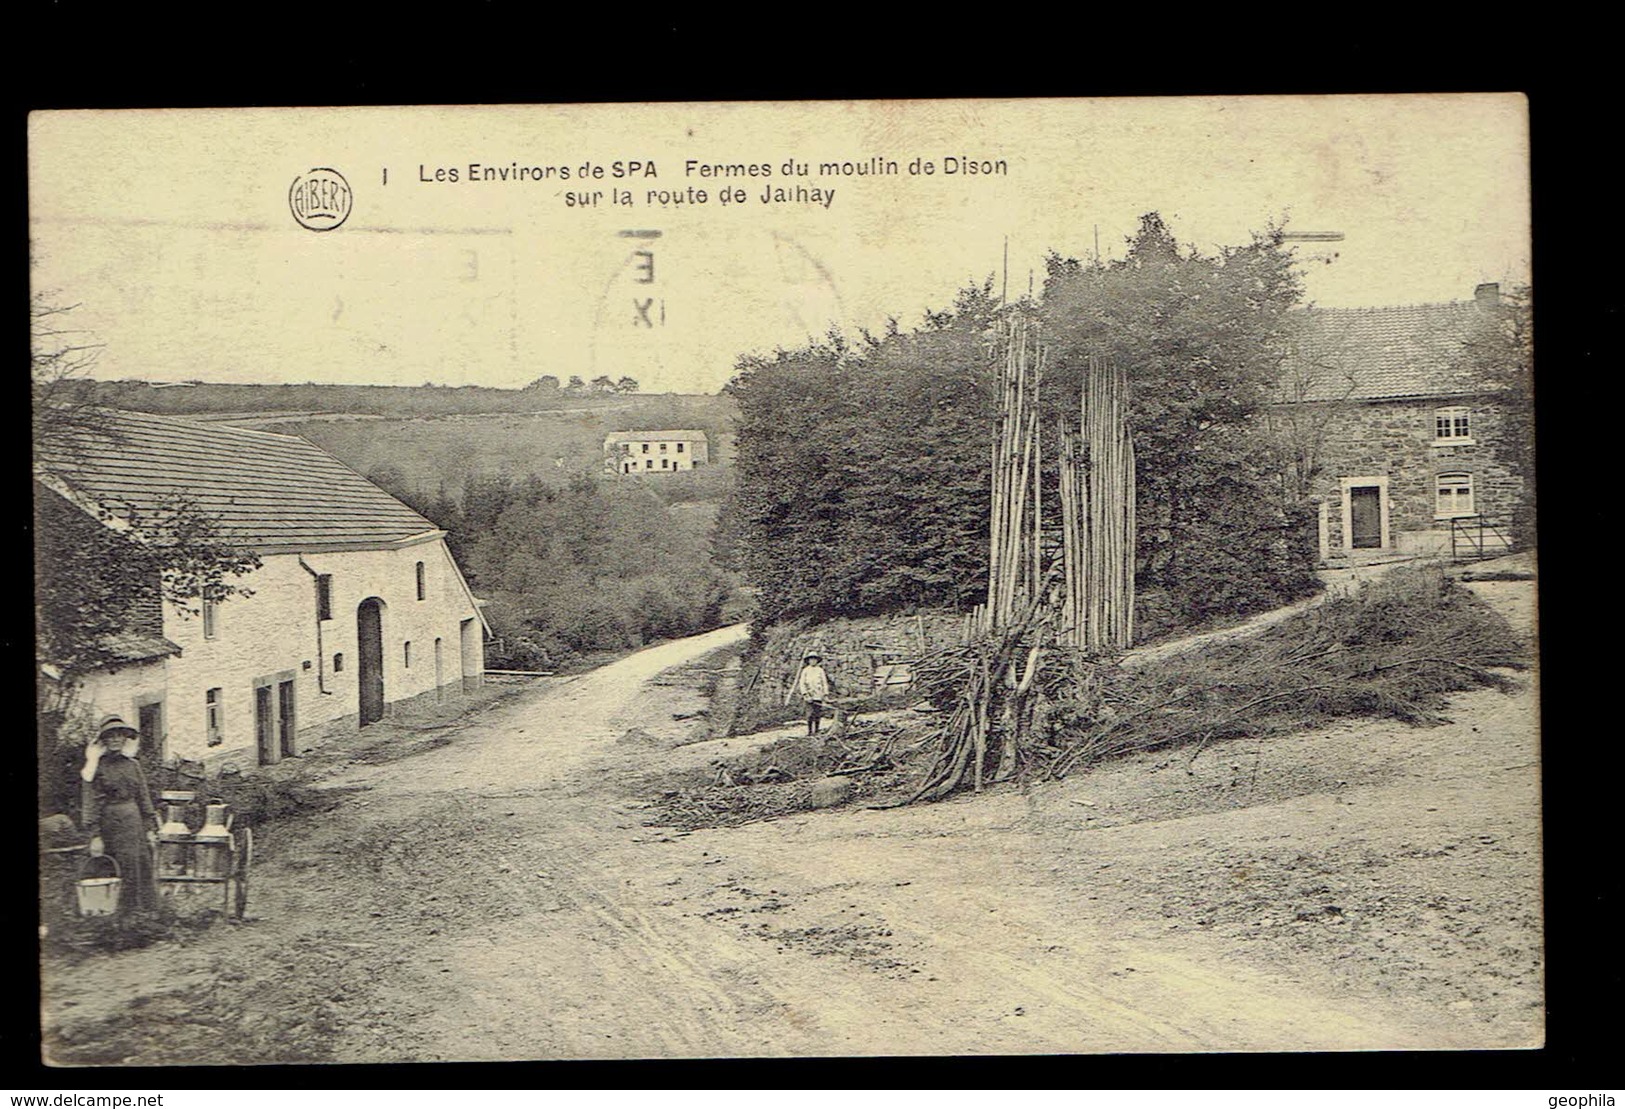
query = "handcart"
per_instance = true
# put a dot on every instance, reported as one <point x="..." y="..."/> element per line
<point x="218" y="853"/>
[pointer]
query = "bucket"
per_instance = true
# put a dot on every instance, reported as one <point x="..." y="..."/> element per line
<point x="98" y="896"/>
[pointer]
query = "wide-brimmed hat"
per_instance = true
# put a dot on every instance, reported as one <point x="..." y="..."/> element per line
<point x="812" y="654"/>
<point x="112" y="725"/>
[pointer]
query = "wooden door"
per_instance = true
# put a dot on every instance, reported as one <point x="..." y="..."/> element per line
<point x="370" y="658"/>
<point x="1365" y="516"/>
<point x="265" y="725"/>
<point x="286" y="718"/>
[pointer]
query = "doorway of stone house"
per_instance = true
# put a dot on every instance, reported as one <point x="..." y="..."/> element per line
<point x="1365" y="517"/>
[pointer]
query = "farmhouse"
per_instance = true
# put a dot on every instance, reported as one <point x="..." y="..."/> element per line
<point x="653" y="452"/>
<point x="357" y="607"/>
<point x="1400" y="433"/>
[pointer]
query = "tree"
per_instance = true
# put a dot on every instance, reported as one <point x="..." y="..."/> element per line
<point x="103" y="569"/>
<point x="64" y="398"/>
<point x="1202" y="337"/>
<point x="861" y="469"/>
<point x="1313" y="389"/>
<point x="603" y="383"/>
<point x="627" y="385"/>
<point x="1500" y="357"/>
<point x="547" y="383"/>
<point x="103" y="575"/>
<point x="575" y="385"/>
<point x="585" y="567"/>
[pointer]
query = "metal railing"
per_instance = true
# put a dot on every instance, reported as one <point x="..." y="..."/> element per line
<point x="1479" y="537"/>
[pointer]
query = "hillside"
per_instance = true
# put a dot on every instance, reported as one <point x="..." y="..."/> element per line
<point x="431" y="438"/>
<point x="195" y="398"/>
<point x="431" y="453"/>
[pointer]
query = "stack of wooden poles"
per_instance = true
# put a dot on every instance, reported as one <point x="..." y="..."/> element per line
<point x="1084" y="600"/>
<point x="1097" y="516"/>
<point x="1015" y="524"/>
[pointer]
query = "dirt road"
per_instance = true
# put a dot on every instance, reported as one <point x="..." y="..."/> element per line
<point x="499" y="897"/>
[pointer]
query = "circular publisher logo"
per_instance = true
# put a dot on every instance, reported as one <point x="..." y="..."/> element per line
<point x="320" y="199"/>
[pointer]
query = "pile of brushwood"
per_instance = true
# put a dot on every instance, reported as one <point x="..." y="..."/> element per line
<point x="1393" y="649"/>
<point x="1000" y="697"/>
<point x="879" y="757"/>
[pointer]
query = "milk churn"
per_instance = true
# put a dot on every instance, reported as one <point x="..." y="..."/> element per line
<point x="211" y="847"/>
<point x="174" y="837"/>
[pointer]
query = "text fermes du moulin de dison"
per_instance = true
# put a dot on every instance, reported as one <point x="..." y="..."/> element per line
<point x="709" y="182"/>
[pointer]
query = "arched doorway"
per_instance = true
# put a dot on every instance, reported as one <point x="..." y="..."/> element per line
<point x="369" y="635"/>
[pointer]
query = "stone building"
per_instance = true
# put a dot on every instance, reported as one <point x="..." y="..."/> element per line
<point x="655" y="452"/>
<point x="357" y="607"/>
<point x="1399" y="433"/>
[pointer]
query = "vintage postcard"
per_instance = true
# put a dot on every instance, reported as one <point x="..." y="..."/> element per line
<point x="614" y="581"/>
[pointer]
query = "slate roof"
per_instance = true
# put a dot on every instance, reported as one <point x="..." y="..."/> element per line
<point x="134" y="647"/>
<point x="1380" y="353"/>
<point x="269" y="492"/>
<point x="656" y="436"/>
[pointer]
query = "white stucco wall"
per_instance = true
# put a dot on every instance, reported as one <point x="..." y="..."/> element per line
<point x="273" y="634"/>
<point x="693" y="451"/>
<point x="120" y="692"/>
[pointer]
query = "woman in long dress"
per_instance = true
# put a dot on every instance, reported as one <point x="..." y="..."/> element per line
<point x="119" y="813"/>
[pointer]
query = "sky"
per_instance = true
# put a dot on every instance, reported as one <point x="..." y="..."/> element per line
<point x="173" y="231"/>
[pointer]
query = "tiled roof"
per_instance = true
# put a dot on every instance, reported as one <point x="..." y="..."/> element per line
<point x="1379" y="353"/>
<point x="268" y="492"/>
<point x="657" y="436"/>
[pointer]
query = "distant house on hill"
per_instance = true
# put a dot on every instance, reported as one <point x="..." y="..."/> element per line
<point x="1400" y="433"/>
<point x="357" y="606"/>
<point x="654" y="452"/>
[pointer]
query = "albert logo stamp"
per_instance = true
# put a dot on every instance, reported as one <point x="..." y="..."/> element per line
<point x="320" y="199"/>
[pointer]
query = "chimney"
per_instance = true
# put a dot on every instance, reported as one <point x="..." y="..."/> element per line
<point x="1488" y="295"/>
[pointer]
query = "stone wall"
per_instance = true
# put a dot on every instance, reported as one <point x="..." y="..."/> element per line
<point x="855" y="653"/>
<point x="1395" y="439"/>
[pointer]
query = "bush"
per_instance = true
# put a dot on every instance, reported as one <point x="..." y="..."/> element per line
<point x="1394" y="649"/>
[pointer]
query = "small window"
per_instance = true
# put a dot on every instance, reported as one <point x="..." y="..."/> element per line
<point x="1452" y="423"/>
<point x="338" y="663"/>
<point x="679" y="448"/>
<point x="324" y="596"/>
<point x="214" y="716"/>
<point x="648" y="463"/>
<point x="422" y="590"/>
<point x="406" y="654"/>
<point x="646" y="448"/>
<point x="210" y="619"/>
<point x="1455" y="495"/>
<point x="663" y="463"/>
<point x="663" y="448"/>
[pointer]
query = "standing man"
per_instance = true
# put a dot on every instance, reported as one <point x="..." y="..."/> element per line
<point x="814" y="687"/>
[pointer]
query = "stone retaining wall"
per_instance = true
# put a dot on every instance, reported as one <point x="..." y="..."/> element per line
<point x="865" y="658"/>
